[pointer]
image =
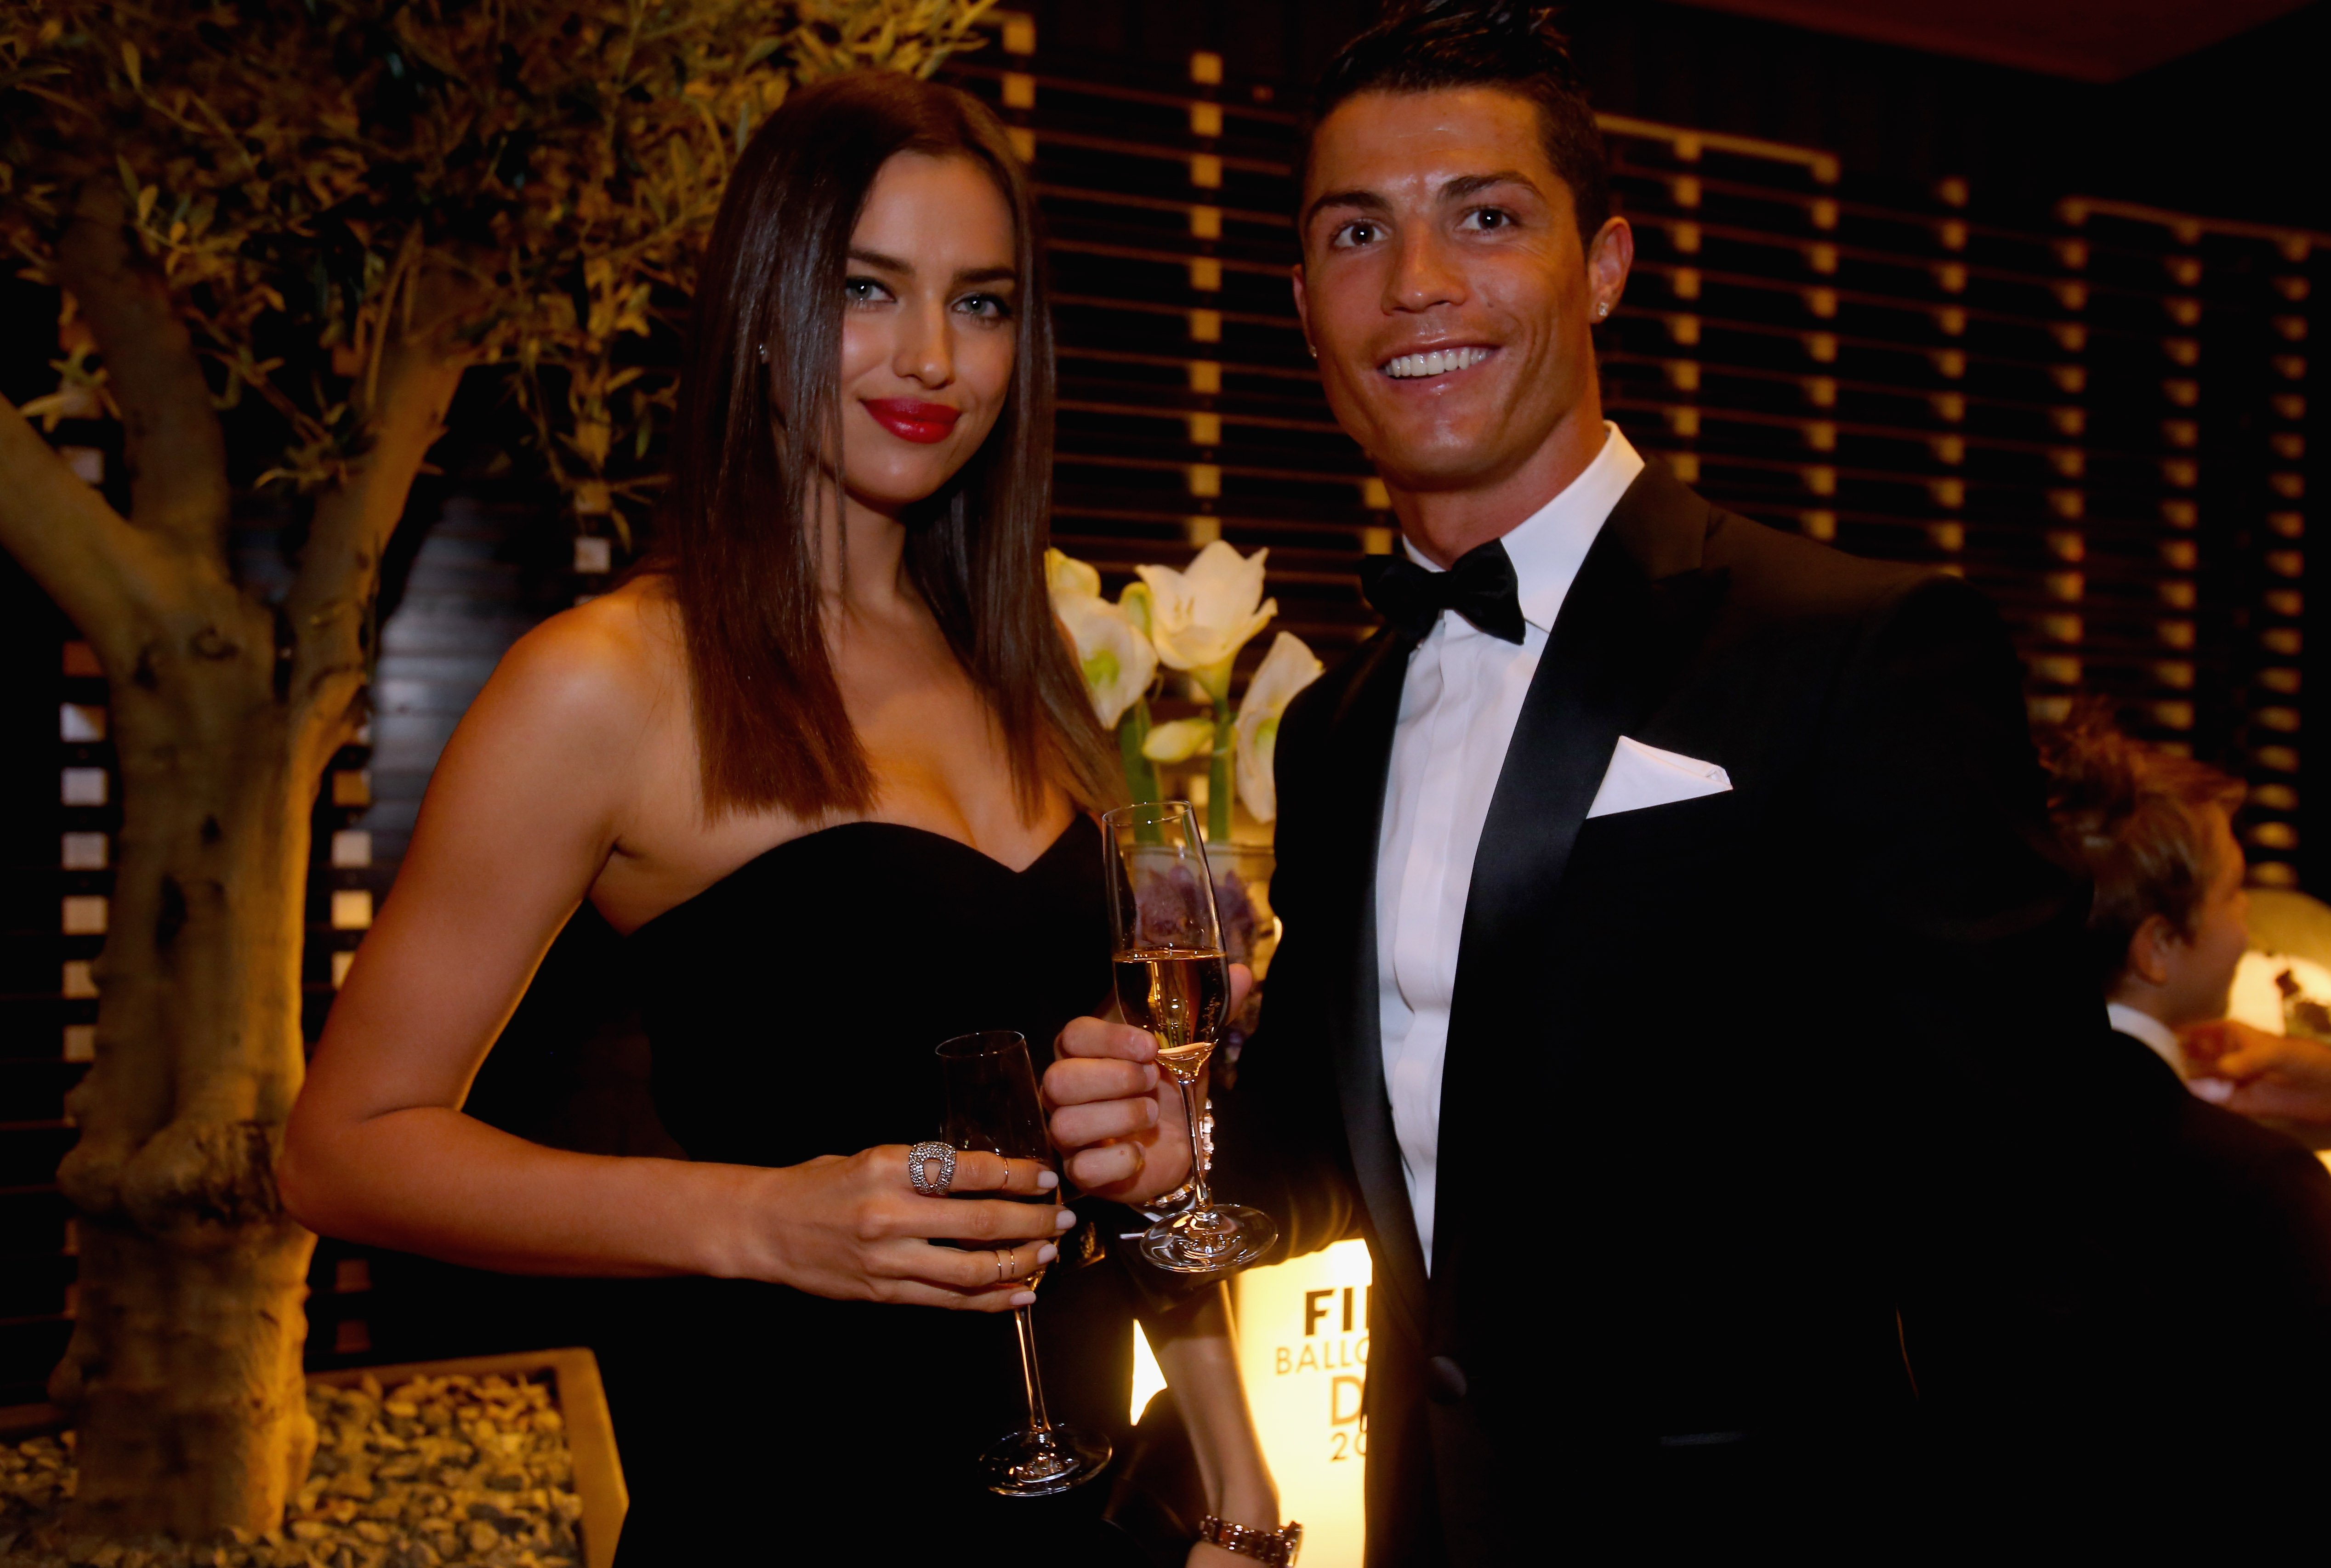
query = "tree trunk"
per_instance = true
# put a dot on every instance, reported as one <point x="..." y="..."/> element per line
<point x="184" y="1372"/>
<point x="183" y="1376"/>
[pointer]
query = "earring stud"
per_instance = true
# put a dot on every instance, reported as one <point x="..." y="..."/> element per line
<point x="1601" y="311"/>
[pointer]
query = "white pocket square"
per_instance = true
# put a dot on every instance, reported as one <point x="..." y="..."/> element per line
<point x="1644" y="775"/>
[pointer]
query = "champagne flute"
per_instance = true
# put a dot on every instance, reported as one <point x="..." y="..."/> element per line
<point x="991" y="1105"/>
<point x="1172" y="980"/>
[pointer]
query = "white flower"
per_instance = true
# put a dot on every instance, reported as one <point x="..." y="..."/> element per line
<point x="1179" y="741"/>
<point x="1117" y="659"/>
<point x="1201" y="616"/>
<point x="1286" y="670"/>
<point x="1138" y="606"/>
<point x="1067" y="576"/>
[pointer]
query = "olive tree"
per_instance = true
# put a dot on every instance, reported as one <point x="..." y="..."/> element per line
<point x="298" y="224"/>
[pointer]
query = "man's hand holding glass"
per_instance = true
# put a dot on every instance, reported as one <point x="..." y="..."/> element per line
<point x="1115" y="1116"/>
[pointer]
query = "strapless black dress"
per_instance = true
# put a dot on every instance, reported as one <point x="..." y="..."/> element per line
<point x="794" y="1007"/>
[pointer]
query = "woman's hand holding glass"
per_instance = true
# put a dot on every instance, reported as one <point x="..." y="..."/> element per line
<point x="853" y="1227"/>
<point x="1116" y="1117"/>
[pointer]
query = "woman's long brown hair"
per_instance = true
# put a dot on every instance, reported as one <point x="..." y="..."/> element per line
<point x="738" y="536"/>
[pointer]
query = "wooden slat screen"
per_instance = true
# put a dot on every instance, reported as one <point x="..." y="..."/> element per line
<point x="2096" y="413"/>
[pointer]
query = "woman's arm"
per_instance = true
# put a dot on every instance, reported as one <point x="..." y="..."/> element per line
<point x="1200" y="1361"/>
<point x="528" y="803"/>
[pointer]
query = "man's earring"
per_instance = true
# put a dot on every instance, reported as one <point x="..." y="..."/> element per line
<point x="1314" y="349"/>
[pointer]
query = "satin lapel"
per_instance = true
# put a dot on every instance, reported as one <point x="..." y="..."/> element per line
<point x="1639" y="606"/>
<point x="1588" y="688"/>
<point x="1362" y="743"/>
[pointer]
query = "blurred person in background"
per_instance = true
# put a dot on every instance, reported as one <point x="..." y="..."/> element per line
<point x="2170" y="923"/>
<point x="2232" y="1232"/>
<point x="2155" y="831"/>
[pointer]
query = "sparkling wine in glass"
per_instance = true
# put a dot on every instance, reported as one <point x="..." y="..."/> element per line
<point x="991" y="1105"/>
<point x="1172" y="981"/>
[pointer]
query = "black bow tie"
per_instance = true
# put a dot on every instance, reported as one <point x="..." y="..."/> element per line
<point x="1480" y="586"/>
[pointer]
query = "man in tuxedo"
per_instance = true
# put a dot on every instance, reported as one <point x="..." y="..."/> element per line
<point x="1680" y="990"/>
<point x="2168" y="919"/>
<point x="2231" y="1221"/>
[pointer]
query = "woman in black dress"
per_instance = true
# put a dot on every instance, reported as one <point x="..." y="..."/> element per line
<point x="831" y="766"/>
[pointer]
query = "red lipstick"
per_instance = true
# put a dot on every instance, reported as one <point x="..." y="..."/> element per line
<point x="912" y="419"/>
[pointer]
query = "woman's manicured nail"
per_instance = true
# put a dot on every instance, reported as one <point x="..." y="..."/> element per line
<point x="1047" y="1252"/>
<point x="1046" y="1181"/>
<point x="1023" y="1298"/>
<point x="1066" y="1220"/>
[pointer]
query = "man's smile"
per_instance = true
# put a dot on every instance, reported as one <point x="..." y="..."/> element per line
<point x="1433" y="364"/>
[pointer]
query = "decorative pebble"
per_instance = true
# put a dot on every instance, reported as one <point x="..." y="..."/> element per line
<point x="436" y="1473"/>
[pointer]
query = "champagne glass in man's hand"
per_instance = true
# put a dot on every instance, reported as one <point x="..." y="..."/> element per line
<point x="992" y="1105"/>
<point x="1172" y="980"/>
<point x="1117" y="1119"/>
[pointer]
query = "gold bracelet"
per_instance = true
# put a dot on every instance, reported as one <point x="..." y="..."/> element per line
<point x="1276" y="1548"/>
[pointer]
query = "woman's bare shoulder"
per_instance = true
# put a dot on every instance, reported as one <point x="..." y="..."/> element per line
<point x="612" y="664"/>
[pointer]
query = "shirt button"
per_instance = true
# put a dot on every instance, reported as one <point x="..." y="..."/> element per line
<point x="1444" y="1379"/>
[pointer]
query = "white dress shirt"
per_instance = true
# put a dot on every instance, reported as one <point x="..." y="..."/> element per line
<point x="1458" y="708"/>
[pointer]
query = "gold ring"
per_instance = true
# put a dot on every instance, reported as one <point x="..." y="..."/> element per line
<point x="1003" y="1261"/>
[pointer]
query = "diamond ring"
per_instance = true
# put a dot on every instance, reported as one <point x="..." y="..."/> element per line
<point x="926" y="1154"/>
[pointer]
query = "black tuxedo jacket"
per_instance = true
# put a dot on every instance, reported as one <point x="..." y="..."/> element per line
<point x="1752" y="1168"/>
<point x="2218" y="1309"/>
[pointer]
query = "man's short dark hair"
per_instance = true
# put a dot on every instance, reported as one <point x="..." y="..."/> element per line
<point x="2130" y="813"/>
<point x="1438" y="45"/>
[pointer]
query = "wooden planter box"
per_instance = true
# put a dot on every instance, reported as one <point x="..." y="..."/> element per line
<point x="582" y="1407"/>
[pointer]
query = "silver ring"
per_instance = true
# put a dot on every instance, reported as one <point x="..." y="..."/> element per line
<point x="921" y="1154"/>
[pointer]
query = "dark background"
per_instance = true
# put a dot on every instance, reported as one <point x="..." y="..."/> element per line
<point x="2234" y="129"/>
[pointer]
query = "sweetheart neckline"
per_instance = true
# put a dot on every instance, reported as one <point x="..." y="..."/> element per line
<point x="716" y="884"/>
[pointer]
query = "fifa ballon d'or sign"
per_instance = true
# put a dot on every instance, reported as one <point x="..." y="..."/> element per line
<point x="1303" y="1355"/>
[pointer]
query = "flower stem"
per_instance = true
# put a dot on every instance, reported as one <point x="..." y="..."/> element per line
<point x="1140" y="773"/>
<point x="1218" y="777"/>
